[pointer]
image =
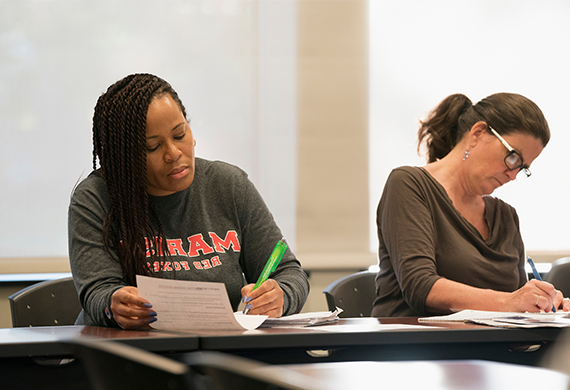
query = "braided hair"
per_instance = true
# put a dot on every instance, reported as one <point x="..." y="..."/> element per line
<point x="119" y="144"/>
<point x="507" y="113"/>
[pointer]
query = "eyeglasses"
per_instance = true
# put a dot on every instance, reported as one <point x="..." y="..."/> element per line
<point x="513" y="160"/>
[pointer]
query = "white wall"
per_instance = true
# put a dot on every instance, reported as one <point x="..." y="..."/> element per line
<point x="422" y="51"/>
<point x="234" y="75"/>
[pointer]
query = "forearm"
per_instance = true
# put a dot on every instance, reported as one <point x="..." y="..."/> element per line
<point x="446" y="295"/>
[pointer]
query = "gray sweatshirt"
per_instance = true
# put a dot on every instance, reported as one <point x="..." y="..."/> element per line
<point x="218" y="230"/>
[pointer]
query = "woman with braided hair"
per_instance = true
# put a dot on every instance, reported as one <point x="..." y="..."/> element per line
<point x="445" y="243"/>
<point x="152" y="208"/>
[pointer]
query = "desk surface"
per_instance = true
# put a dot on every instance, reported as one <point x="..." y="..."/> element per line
<point x="314" y="337"/>
<point x="439" y="341"/>
<point x="43" y="341"/>
<point x="428" y="375"/>
<point x="350" y="341"/>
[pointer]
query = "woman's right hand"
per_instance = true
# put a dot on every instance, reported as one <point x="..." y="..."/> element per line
<point x="131" y="311"/>
<point x="535" y="296"/>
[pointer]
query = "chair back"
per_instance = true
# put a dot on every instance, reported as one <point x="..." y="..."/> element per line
<point x="49" y="303"/>
<point x="559" y="275"/>
<point x="354" y="294"/>
<point x="223" y="371"/>
<point x="110" y="365"/>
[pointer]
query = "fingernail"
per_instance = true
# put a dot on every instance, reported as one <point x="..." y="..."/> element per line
<point x="248" y="299"/>
<point x="243" y="299"/>
<point x="147" y="305"/>
<point x="152" y="314"/>
<point x="248" y="307"/>
<point x="153" y="319"/>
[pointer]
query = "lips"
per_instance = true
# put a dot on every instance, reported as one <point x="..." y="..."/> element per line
<point x="178" y="173"/>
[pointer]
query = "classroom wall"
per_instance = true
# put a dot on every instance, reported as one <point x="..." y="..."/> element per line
<point x="332" y="201"/>
<point x="331" y="164"/>
<point x="332" y="146"/>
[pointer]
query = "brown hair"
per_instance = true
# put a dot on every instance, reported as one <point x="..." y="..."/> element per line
<point x="119" y="143"/>
<point x="507" y="113"/>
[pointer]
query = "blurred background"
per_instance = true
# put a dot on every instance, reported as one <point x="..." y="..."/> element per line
<point x="318" y="100"/>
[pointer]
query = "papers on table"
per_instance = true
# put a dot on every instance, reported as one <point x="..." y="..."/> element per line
<point x="506" y="319"/>
<point x="302" y="320"/>
<point x="185" y="305"/>
<point x="192" y="306"/>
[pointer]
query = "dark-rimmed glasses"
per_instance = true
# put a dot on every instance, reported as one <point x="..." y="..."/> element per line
<point x="513" y="160"/>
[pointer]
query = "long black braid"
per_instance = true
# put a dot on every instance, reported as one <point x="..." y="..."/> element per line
<point x="119" y="143"/>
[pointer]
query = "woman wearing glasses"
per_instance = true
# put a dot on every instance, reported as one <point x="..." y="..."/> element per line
<point x="444" y="242"/>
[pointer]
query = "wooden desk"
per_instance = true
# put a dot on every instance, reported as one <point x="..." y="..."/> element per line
<point x="30" y="357"/>
<point x="432" y="375"/>
<point x="20" y="348"/>
<point x="441" y="341"/>
<point x="43" y="341"/>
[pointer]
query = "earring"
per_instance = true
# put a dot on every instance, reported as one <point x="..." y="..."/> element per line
<point x="466" y="154"/>
<point x="194" y="142"/>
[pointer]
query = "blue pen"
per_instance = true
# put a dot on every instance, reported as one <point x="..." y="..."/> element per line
<point x="537" y="276"/>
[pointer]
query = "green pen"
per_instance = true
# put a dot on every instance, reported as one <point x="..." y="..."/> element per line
<point x="271" y="265"/>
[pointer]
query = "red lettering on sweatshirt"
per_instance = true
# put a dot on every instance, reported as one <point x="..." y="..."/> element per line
<point x="152" y="249"/>
<point x="197" y="243"/>
<point x="175" y="247"/>
<point x="230" y="240"/>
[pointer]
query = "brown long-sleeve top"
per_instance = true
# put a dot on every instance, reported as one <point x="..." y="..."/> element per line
<point x="423" y="237"/>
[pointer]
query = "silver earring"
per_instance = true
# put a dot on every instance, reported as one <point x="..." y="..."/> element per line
<point x="465" y="155"/>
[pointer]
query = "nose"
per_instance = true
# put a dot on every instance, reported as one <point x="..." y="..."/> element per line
<point x="512" y="174"/>
<point x="172" y="153"/>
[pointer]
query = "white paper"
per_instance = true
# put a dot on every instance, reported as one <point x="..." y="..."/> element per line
<point x="526" y="322"/>
<point x="302" y="320"/>
<point x="192" y="306"/>
<point x="497" y="318"/>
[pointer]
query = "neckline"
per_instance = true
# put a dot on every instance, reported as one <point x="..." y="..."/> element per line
<point x="441" y="188"/>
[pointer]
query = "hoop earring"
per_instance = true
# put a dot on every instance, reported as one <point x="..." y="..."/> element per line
<point x="466" y="154"/>
<point x="194" y="142"/>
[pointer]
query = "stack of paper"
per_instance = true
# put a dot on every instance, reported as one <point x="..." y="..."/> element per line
<point x="302" y="320"/>
<point x="506" y="319"/>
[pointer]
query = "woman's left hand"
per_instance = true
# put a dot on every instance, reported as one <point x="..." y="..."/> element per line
<point x="267" y="299"/>
<point x="561" y="303"/>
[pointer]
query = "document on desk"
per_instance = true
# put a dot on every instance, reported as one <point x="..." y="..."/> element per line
<point x="303" y="320"/>
<point x="505" y="319"/>
<point x="185" y="305"/>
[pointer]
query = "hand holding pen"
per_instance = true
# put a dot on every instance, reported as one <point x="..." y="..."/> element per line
<point x="539" y="278"/>
<point x="268" y="296"/>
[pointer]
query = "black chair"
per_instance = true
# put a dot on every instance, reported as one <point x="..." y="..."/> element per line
<point x="49" y="303"/>
<point x="111" y="365"/>
<point x="224" y="371"/>
<point x="559" y="275"/>
<point x="354" y="294"/>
